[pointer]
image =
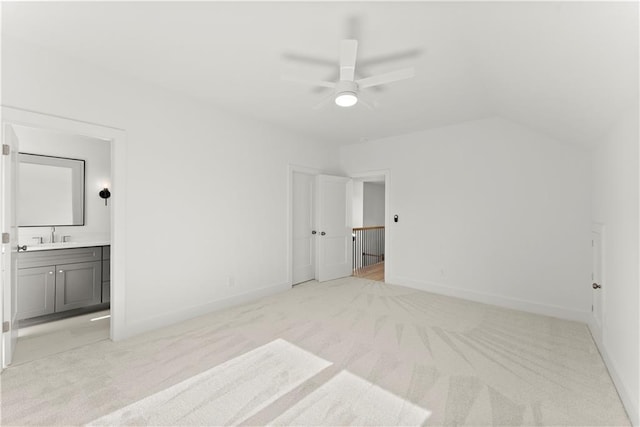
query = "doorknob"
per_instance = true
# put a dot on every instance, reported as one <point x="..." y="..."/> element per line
<point x="22" y="248"/>
<point x="322" y="233"/>
<point x="596" y="286"/>
<point x="314" y="232"/>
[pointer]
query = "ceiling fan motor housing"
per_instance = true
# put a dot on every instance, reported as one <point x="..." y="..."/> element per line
<point x="346" y="86"/>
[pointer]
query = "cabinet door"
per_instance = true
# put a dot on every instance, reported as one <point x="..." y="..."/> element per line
<point x="78" y="285"/>
<point x="36" y="291"/>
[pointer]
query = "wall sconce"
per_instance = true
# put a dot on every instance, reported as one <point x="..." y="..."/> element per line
<point x="105" y="194"/>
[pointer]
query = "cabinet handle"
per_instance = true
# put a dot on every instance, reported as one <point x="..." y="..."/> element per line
<point x="60" y="271"/>
<point x="51" y="272"/>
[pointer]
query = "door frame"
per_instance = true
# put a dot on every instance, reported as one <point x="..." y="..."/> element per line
<point x="596" y="327"/>
<point x="117" y="138"/>
<point x="388" y="232"/>
<point x="10" y="252"/>
<point x="291" y="169"/>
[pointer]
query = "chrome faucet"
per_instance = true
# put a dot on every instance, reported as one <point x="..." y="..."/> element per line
<point x="53" y="235"/>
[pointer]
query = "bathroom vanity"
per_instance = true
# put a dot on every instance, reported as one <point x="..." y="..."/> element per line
<point x="66" y="271"/>
<point x="63" y="278"/>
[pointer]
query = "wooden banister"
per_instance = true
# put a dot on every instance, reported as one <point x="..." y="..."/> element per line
<point x="368" y="246"/>
<point x="376" y="227"/>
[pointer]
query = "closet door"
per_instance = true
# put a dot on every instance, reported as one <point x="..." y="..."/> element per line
<point x="304" y="234"/>
<point x="334" y="241"/>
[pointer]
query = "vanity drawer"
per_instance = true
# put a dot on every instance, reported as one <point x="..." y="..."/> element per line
<point x="59" y="257"/>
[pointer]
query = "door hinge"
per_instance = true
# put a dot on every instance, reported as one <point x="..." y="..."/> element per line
<point x="6" y="326"/>
<point x="6" y="149"/>
<point x="6" y="238"/>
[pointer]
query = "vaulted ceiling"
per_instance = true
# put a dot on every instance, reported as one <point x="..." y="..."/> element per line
<point x="565" y="69"/>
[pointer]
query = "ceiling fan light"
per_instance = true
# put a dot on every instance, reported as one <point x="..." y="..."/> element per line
<point x="346" y="99"/>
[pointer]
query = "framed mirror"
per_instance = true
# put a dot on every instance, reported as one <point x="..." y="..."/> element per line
<point x="50" y="191"/>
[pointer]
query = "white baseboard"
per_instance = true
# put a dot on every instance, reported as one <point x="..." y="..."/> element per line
<point x="630" y="405"/>
<point x="492" y="299"/>
<point x="165" y="319"/>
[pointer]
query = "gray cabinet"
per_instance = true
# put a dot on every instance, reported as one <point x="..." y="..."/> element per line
<point x="37" y="287"/>
<point x="57" y="280"/>
<point x="78" y="285"/>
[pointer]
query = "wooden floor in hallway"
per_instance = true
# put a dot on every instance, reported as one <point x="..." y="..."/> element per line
<point x="371" y="272"/>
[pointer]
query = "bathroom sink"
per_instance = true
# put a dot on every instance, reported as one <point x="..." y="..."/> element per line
<point x="44" y="246"/>
<point x="64" y="245"/>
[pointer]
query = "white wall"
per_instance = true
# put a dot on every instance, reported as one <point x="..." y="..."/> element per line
<point x="206" y="208"/>
<point x="358" y="203"/>
<point x="487" y="211"/>
<point x="615" y="204"/>
<point x="97" y="156"/>
<point x="373" y="204"/>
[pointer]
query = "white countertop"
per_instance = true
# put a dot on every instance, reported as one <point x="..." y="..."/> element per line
<point x="65" y="245"/>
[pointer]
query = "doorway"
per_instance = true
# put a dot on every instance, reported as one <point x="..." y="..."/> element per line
<point x="370" y="213"/>
<point x="13" y="118"/>
<point x="63" y="288"/>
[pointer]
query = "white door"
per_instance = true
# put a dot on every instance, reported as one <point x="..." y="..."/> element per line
<point x="304" y="253"/>
<point x="9" y="249"/>
<point x="333" y="207"/>
<point x="596" y="279"/>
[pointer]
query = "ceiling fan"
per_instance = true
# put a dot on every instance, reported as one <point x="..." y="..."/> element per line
<point x="347" y="88"/>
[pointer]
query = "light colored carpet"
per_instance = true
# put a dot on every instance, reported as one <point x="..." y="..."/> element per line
<point x="45" y="339"/>
<point x="347" y="352"/>
<point x="227" y="393"/>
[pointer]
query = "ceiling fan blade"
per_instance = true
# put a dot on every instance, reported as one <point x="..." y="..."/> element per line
<point x="360" y="73"/>
<point x="301" y="57"/>
<point x="324" y="102"/>
<point x="320" y="83"/>
<point x="390" y="57"/>
<point x="348" y="54"/>
<point x="381" y="79"/>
